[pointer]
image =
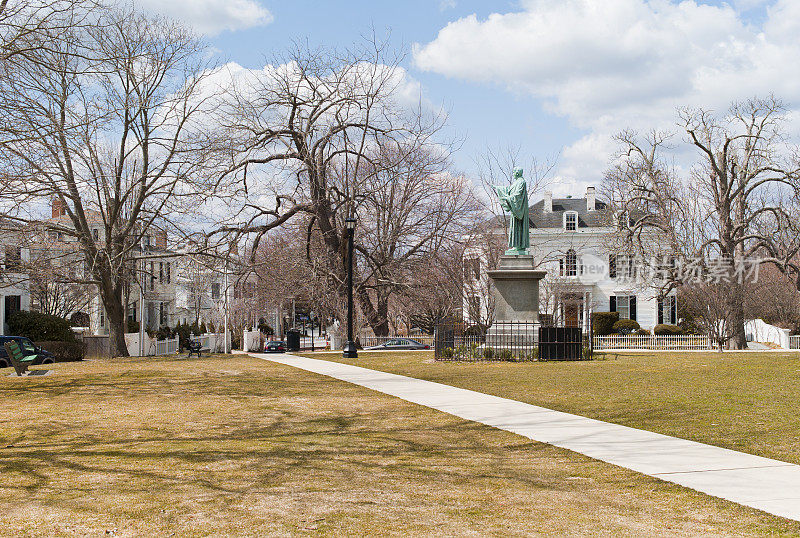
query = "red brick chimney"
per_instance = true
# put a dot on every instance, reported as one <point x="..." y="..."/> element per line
<point x="58" y="208"/>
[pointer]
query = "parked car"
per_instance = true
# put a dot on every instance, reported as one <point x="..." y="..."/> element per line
<point x="400" y="344"/>
<point x="275" y="346"/>
<point x="28" y="348"/>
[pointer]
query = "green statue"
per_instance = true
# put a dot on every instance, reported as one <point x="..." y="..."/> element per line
<point x="514" y="200"/>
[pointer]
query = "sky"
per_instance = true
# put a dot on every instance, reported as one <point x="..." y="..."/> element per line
<point x="557" y="78"/>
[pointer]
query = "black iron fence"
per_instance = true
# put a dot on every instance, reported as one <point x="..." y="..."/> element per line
<point x="509" y="341"/>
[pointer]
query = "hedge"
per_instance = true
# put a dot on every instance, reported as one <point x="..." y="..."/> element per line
<point x="64" y="351"/>
<point x="625" y="326"/>
<point x="40" y="327"/>
<point x="667" y="329"/>
<point x="603" y="322"/>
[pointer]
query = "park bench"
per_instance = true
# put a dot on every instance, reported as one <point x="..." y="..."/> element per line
<point x="19" y="361"/>
<point x="193" y="346"/>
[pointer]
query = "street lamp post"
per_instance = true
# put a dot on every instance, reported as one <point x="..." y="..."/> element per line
<point x="349" y="350"/>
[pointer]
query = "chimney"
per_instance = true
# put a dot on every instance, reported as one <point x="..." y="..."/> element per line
<point x="590" y="205"/>
<point x="57" y="207"/>
<point x="548" y="202"/>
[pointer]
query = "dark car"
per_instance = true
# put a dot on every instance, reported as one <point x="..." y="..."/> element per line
<point x="275" y="347"/>
<point x="400" y="344"/>
<point x="28" y="348"/>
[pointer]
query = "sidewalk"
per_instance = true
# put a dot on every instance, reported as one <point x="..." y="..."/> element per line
<point x="769" y="485"/>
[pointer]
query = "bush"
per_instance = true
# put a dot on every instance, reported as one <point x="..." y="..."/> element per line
<point x="447" y="353"/>
<point x="667" y="329"/>
<point x="643" y="332"/>
<point x="79" y="319"/>
<point x="164" y="333"/>
<point x="40" y="327"/>
<point x="65" y="351"/>
<point x="488" y="353"/>
<point x="478" y="329"/>
<point x="182" y="331"/>
<point x="603" y="322"/>
<point x="625" y="326"/>
<point x="504" y="355"/>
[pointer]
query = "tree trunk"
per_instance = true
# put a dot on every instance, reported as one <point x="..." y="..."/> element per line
<point x="739" y="338"/>
<point x="116" y="328"/>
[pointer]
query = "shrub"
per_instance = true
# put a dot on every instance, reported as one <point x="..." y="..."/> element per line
<point x="79" y="319"/>
<point x="667" y="329"/>
<point x="488" y="353"/>
<point x="643" y="332"/>
<point x="163" y="333"/>
<point x="65" y="351"/>
<point x="504" y="355"/>
<point x="478" y="329"/>
<point x="40" y="327"/>
<point x="447" y="353"/>
<point x="182" y="331"/>
<point x="625" y="326"/>
<point x="603" y="322"/>
<point x="586" y="353"/>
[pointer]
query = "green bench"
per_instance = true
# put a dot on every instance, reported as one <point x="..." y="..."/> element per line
<point x="19" y="361"/>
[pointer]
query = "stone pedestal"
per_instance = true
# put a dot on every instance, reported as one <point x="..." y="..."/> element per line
<point x="516" y="297"/>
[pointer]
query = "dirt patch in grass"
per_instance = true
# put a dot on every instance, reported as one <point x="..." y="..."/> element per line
<point x="241" y="446"/>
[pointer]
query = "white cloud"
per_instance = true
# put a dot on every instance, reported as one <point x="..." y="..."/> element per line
<point x="622" y="63"/>
<point x="447" y="4"/>
<point x="211" y="17"/>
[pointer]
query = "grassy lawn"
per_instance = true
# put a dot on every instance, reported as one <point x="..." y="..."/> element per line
<point x="240" y="446"/>
<point x="743" y="401"/>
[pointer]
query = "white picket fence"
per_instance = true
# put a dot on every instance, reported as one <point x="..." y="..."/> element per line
<point x="368" y="341"/>
<point x="794" y="341"/>
<point x="167" y="347"/>
<point x="654" y="342"/>
<point x="151" y="347"/>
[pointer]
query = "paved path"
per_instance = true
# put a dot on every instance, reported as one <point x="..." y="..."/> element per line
<point x="769" y="485"/>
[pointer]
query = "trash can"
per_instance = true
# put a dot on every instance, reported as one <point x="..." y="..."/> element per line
<point x="292" y="340"/>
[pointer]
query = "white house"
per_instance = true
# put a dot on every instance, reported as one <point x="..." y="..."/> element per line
<point x="14" y="292"/>
<point x="574" y="240"/>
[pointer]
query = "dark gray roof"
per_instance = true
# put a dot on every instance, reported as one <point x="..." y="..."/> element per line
<point x="555" y="219"/>
<point x="602" y="216"/>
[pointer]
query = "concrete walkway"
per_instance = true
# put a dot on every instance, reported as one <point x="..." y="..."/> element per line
<point x="769" y="485"/>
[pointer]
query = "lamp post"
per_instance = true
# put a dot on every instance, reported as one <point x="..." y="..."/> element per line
<point x="349" y="350"/>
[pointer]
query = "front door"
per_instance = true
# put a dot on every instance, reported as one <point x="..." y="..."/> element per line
<point x="573" y="310"/>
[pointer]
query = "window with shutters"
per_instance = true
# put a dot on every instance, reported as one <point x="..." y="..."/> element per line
<point x="667" y="310"/>
<point x="612" y="266"/>
<point x="625" y="305"/>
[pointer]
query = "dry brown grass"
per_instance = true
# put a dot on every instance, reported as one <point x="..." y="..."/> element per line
<point x="240" y="446"/>
<point x="744" y="401"/>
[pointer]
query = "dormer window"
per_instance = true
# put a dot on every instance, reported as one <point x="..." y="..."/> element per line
<point x="570" y="221"/>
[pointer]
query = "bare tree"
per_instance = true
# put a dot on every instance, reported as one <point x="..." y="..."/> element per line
<point x="334" y="138"/>
<point x="738" y="202"/>
<point x="109" y="133"/>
